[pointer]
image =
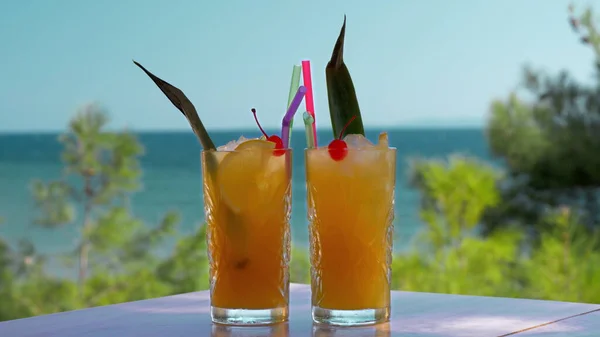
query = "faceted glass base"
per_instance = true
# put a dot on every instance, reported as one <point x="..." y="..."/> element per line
<point x="350" y="317"/>
<point x="248" y="316"/>
<point x="279" y="330"/>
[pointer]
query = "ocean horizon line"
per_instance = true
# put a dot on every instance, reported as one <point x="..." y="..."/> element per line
<point x="238" y="129"/>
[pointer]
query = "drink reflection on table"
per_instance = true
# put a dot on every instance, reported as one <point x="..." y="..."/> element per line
<point x="379" y="330"/>
<point x="276" y="330"/>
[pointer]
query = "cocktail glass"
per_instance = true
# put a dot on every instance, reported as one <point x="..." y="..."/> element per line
<point x="351" y="211"/>
<point x="247" y="203"/>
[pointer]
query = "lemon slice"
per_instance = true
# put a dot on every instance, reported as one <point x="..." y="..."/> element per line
<point x="255" y="144"/>
<point x="240" y="171"/>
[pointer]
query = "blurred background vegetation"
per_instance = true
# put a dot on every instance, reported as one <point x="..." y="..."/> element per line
<point x="529" y="230"/>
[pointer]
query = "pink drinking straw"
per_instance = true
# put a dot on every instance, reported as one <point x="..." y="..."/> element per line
<point x="309" y="101"/>
<point x="289" y="115"/>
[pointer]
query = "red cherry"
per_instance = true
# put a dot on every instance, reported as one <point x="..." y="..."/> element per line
<point x="279" y="150"/>
<point x="338" y="149"/>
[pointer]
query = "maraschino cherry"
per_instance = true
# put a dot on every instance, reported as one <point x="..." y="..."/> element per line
<point x="273" y="139"/>
<point x="338" y="149"/>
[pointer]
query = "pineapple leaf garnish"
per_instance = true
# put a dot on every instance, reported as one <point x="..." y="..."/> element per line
<point x="343" y="104"/>
<point x="181" y="102"/>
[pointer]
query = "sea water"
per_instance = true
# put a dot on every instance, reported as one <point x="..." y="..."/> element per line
<point x="172" y="179"/>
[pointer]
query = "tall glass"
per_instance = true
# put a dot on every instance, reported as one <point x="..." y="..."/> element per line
<point x="247" y="203"/>
<point x="351" y="212"/>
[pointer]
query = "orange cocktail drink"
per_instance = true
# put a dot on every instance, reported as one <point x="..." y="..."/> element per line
<point x="247" y="204"/>
<point x="247" y="198"/>
<point x="351" y="209"/>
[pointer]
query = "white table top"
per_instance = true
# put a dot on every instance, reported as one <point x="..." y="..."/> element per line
<point x="413" y="314"/>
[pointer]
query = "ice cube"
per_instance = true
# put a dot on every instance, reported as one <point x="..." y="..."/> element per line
<point x="362" y="162"/>
<point x="363" y="159"/>
<point x="357" y="141"/>
<point x="230" y="146"/>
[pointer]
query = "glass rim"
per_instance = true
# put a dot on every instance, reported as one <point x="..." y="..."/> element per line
<point x="350" y="149"/>
<point x="230" y="151"/>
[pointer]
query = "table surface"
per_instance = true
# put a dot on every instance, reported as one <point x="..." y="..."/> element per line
<point x="413" y="314"/>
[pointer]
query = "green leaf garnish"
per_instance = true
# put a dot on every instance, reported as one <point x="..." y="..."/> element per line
<point x="181" y="102"/>
<point x="343" y="104"/>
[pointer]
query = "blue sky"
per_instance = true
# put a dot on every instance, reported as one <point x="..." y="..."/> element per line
<point x="425" y="62"/>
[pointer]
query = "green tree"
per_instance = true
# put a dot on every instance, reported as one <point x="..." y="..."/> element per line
<point x="549" y="142"/>
<point x="450" y="256"/>
<point x="114" y="252"/>
<point x="186" y="270"/>
<point x="454" y="194"/>
<point x="6" y="280"/>
<point x="24" y="289"/>
<point x="564" y="265"/>
<point x="299" y="266"/>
